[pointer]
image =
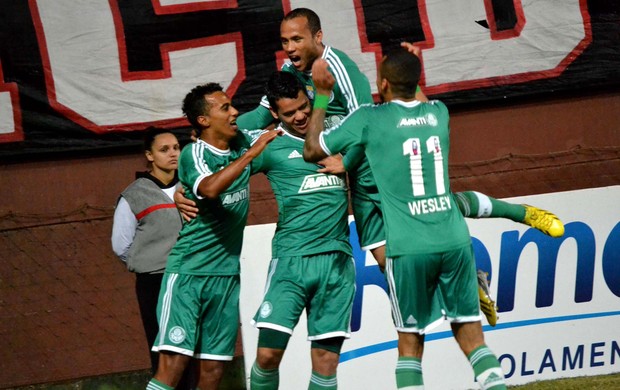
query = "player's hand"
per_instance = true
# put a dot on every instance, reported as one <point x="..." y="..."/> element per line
<point x="321" y="76"/>
<point x="262" y="142"/>
<point x="186" y="207"/>
<point x="332" y="164"/>
<point x="411" y="48"/>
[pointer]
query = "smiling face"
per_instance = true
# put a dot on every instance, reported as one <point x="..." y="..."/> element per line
<point x="299" y="44"/>
<point x="164" y="153"/>
<point x="220" y="120"/>
<point x="294" y="113"/>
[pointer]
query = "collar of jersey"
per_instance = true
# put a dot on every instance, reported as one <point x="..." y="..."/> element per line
<point x="213" y="148"/>
<point x="287" y="133"/>
<point x="410" y="104"/>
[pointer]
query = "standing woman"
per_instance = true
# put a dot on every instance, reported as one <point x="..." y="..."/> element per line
<point x="147" y="223"/>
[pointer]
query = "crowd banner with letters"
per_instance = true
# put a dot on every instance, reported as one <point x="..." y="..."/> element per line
<point x="92" y="74"/>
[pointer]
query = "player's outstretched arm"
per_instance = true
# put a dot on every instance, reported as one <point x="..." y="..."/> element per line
<point x="212" y="186"/>
<point x="324" y="83"/>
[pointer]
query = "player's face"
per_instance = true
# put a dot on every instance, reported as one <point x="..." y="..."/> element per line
<point x="295" y="113"/>
<point x="164" y="153"/>
<point x="222" y="116"/>
<point x="301" y="47"/>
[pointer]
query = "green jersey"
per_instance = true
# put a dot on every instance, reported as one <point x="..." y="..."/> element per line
<point x="352" y="89"/>
<point x="210" y="244"/>
<point x="312" y="206"/>
<point x="407" y="145"/>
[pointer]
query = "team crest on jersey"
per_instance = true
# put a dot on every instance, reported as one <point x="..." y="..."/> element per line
<point x="177" y="335"/>
<point x="266" y="309"/>
<point x="235" y="197"/>
<point x="428" y="120"/>
<point x="310" y="92"/>
<point x="333" y="120"/>
<point x="320" y="181"/>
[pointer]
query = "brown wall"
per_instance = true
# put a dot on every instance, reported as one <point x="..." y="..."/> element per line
<point x="478" y="135"/>
<point x="67" y="306"/>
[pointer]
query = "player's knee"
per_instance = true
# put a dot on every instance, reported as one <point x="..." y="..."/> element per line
<point x="271" y="346"/>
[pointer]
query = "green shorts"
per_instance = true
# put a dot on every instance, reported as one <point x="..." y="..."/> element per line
<point x="422" y="286"/>
<point x="366" y="206"/>
<point x="323" y="284"/>
<point x="198" y="316"/>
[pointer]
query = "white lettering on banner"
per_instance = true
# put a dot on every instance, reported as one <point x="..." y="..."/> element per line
<point x="462" y="54"/>
<point x="10" y="112"/>
<point x="85" y="66"/>
<point x="568" y="358"/>
<point x="344" y="28"/>
<point x="430" y="205"/>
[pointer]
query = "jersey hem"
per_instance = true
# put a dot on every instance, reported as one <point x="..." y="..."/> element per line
<point x="464" y="319"/>
<point x="208" y="356"/>
<point x="268" y="325"/>
<point x="330" y="335"/>
<point x="374" y="246"/>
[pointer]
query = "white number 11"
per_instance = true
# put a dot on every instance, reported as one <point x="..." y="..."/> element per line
<point x="412" y="148"/>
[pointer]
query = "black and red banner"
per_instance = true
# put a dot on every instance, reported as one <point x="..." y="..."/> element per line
<point x="90" y="75"/>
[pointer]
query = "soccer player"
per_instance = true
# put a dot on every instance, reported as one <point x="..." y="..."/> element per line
<point x="198" y="304"/>
<point x="312" y="266"/>
<point x="428" y="245"/>
<point x="302" y="41"/>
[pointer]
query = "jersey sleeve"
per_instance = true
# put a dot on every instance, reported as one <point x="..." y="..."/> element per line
<point x="193" y="167"/>
<point x="353" y="157"/>
<point x="258" y="118"/>
<point x="259" y="162"/>
<point x="349" y="133"/>
<point x="353" y="84"/>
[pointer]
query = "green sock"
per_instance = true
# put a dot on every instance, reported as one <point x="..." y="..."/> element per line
<point x="409" y="373"/>
<point x="487" y="369"/>
<point x="262" y="379"/>
<point x="476" y="205"/>
<point x="322" y="382"/>
<point x="154" y="384"/>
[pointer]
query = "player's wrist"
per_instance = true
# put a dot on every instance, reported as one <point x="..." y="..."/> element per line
<point x="321" y="101"/>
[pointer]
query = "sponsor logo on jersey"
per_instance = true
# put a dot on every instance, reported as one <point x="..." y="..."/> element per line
<point x="426" y="120"/>
<point x="430" y="205"/>
<point x="177" y="335"/>
<point x="319" y="182"/>
<point x="235" y="197"/>
<point x="265" y="309"/>
<point x="295" y="154"/>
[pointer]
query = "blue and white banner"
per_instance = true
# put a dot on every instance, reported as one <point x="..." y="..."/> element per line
<point x="559" y="302"/>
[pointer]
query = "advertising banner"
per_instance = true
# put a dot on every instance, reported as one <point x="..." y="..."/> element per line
<point x="558" y="299"/>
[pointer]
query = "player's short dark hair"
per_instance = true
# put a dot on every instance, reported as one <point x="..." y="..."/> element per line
<point x="149" y="136"/>
<point x="282" y="85"/>
<point x="314" y="22"/>
<point x="402" y="69"/>
<point x="195" y="104"/>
